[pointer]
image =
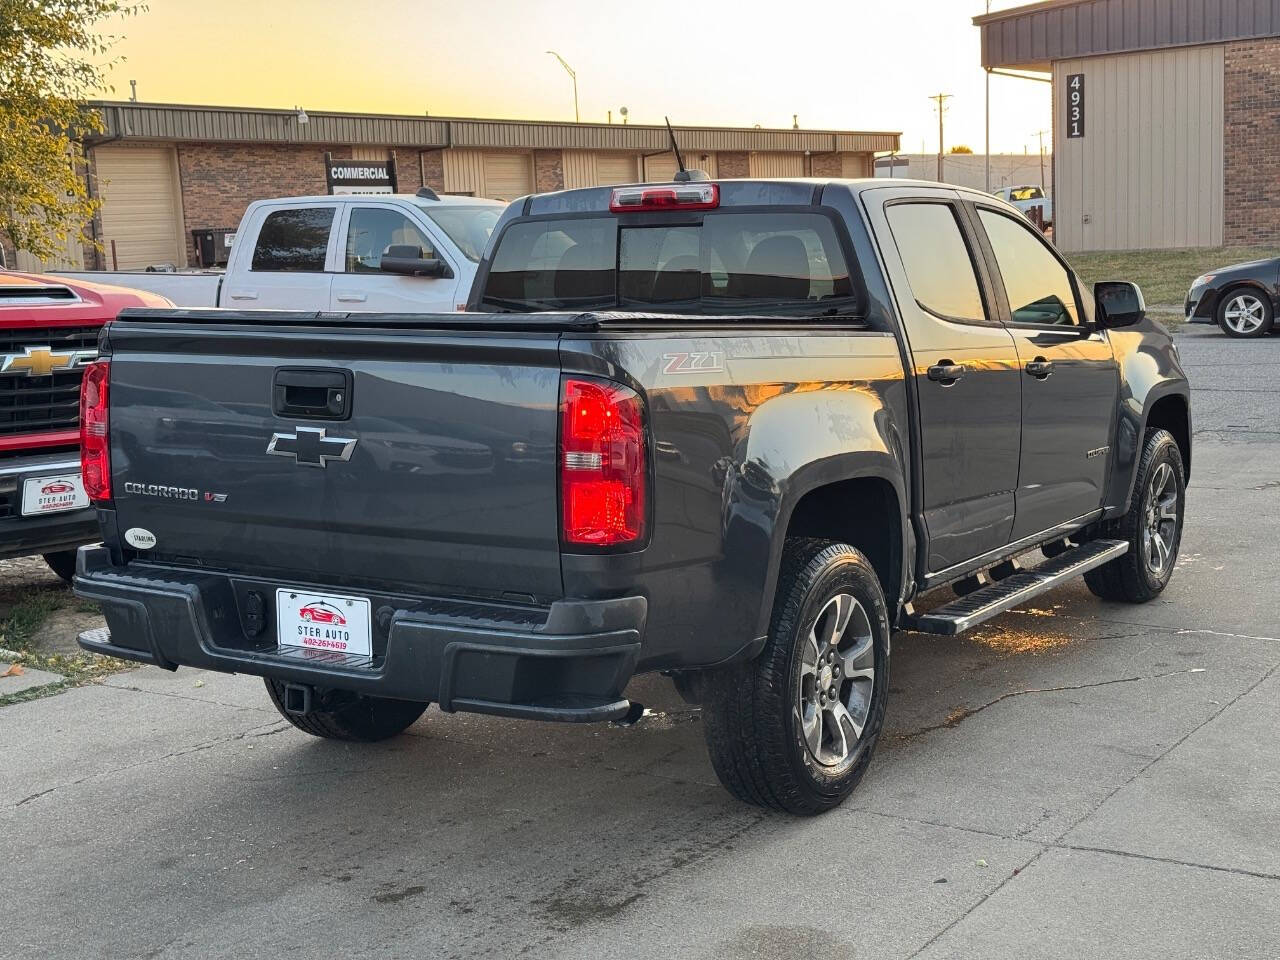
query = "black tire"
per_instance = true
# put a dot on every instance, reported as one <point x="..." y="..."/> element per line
<point x="1131" y="578"/>
<point x="1253" y="296"/>
<point x="752" y="711"/>
<point x="63" y="563"/>
<point x="340" y="715"/>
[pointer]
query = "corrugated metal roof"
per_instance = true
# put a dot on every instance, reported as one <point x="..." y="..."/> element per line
<point x="154" y="121"/>
<point x="1030" y="37"/>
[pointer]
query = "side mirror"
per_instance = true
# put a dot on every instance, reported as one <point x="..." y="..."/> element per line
<point x="407" y="259"/>
<point x="1119" y="303"/>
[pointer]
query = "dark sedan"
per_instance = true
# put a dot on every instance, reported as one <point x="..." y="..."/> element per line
<point x="1241" y="299"/>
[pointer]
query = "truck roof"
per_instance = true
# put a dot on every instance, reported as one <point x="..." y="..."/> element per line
<point x="582" y="198"/>
<point x="444" y="199"/>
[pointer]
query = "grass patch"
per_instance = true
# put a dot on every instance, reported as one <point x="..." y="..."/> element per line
<point x="1164" y="275"/>
<point x="17" y="634"/>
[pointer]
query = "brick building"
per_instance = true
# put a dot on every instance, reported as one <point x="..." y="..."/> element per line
<point x="1166" y="116"/>
<point x="164" y="171"/>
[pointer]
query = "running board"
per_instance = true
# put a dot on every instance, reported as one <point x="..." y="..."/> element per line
<point x="981" y="605"/>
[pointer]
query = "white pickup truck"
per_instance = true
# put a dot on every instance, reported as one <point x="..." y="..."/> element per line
<point x="348" y="254"/>
<point x="1026" y="197"/>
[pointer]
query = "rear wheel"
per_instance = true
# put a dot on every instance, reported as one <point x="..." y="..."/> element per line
<point x="795" y="728"/>
<point x="63" y="563"/>
<point x="341" y="715"/>
<point x="1245" y="312"/>
<point x="1152" y="527"/>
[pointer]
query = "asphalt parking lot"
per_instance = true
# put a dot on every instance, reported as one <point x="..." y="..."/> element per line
<point x="1076" y="779"/>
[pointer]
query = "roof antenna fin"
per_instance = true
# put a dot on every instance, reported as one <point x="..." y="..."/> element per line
<point x="682" y="175"/>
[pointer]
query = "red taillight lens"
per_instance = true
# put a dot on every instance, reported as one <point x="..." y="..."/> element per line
<point x="602" y="463"/>
<point x="680" y="196"/>
<point x="95" y="454"/>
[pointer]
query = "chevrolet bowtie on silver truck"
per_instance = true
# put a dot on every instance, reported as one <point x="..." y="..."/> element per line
<point x="730" y="431"/>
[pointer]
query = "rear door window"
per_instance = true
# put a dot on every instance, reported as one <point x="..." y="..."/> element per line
<point x="936" y="258"/>
<point x="294" y="240"/>
<point x="778" y="263"/>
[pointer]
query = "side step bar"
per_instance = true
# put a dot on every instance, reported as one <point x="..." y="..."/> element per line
<point x="981" y="605"/>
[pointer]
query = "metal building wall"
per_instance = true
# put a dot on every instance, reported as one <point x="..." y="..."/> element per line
<point x="1148" y="171"/>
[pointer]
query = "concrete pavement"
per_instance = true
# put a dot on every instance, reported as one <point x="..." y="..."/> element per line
<point x="1077" y="779"/>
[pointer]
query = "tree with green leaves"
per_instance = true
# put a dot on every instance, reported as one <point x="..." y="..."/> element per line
<point x="53" y="55"/>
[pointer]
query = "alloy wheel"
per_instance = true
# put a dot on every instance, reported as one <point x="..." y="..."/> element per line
<point x="1244" y="313"/>
<point x="1160" y="520"/>
<point x="836" y="681"/>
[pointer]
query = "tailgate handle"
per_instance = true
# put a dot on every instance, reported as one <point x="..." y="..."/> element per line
<point x="298" y="392"/>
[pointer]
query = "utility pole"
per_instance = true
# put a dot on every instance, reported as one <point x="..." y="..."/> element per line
<point x="1040" y="134"/>
<point x="569" y="70"/>
<point x="941" y="98"/>
<point x="988" y="147"/>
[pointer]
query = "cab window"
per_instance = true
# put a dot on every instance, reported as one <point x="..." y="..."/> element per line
<point x="937" y="260"/>
<point x="1037" y="285"/>
<point x="294" y="240"/>
<point x="373" y="230"/>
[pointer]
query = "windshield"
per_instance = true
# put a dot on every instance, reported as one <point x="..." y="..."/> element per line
<point x="776" y="263"/>
<point x="467" y="226"/>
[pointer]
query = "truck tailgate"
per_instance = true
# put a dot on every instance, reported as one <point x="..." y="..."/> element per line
<point x="449" y="485"/>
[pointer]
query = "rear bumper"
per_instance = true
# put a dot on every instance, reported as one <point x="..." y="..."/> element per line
<point x="567" y="662"/>
<point x="52" y="532"/>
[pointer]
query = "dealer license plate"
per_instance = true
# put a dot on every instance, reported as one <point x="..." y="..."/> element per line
<point x="53" y="494"/>
<point x="323" y="621"/>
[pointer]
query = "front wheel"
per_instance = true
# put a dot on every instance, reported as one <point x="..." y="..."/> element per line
<point x="1245" y="313"/>
<point x="1152" y="527"/>
<point x="340" y="715"/>
<point x="795" y="728"/>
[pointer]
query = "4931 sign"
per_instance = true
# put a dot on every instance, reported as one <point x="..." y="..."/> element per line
<point x="1075" y="106"/>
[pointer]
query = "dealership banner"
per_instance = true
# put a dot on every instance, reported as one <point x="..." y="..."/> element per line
<point x="359" y="176"/>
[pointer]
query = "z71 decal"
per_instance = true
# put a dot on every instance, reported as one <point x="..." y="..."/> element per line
<point x="707" y="362"/>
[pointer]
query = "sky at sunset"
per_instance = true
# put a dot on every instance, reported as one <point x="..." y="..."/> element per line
<point x="852" y="65"/>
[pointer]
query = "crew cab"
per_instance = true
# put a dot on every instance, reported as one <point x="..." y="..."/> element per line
<point x="732" y="431"/>
<point x="48" y="333"/>
<point x="351" y="253"/>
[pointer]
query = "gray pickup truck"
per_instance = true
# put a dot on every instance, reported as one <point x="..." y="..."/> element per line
<point x="731" y="431"/>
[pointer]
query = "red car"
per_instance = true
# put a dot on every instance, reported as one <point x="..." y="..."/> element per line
<point x="58" y="486"/>
<point x="322" y="613"/>
<point x="48" y="332"/>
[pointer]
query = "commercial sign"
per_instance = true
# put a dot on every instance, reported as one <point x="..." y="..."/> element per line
<point x="359" y="176"/>
<point x="1075" y="106"/>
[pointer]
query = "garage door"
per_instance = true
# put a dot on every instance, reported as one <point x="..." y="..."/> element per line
<point x="141" y="211"/>
<point x="776" y="165"/>
<point x="507" y="175"/>
<point x="615" y="169"/>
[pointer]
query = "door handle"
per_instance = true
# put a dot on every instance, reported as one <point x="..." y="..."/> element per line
<point x="1040" y="368"/>
<point x="309" y="393"/>
<point x="245" y="295"/>
<point x="352" y="297"/>
<point x="946" y="372"/>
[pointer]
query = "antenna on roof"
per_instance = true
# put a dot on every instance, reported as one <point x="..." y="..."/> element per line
<point x="426" y="193"/>
<point x="682" y="175"/>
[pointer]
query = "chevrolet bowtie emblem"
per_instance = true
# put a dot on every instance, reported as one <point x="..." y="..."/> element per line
<point x="310" y="447"/>
<point x="43" y="361"/>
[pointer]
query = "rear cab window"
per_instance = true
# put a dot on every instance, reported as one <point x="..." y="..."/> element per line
<point x="294" y="240"/>
<point x="726" y="262"/>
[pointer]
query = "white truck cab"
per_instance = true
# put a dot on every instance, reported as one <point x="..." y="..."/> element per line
<point x="358" y="253"/>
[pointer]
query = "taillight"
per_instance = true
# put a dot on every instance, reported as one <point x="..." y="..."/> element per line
<point x="602" y="463"/>
<point x="95" y="455"/>
<point x="679" y="196"/>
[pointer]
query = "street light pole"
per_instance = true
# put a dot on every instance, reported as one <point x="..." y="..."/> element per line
<point x="569" y="70"/>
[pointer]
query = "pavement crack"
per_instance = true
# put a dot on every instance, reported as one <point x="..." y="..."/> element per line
<point x="1238" y="871"/>
<point x="961" y="714"/>
<point x="263" y="730"/>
